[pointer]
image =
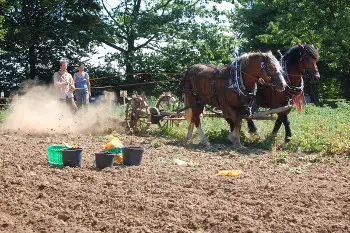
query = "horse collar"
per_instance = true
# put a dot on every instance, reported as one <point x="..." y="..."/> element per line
<point x="236" y="79"/>
<point x="290" y="87"/>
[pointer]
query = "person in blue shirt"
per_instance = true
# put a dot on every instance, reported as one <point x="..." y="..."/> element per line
<point x="82" y="86"/>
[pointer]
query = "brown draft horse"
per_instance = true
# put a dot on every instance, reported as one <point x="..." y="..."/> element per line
<point x="229" y="88"/>
<point x="298" y="63"/>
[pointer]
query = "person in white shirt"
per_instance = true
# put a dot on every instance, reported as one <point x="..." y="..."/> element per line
<point x="64" y="85"/>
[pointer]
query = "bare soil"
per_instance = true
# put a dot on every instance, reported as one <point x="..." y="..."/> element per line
<point x="301" y="195"/>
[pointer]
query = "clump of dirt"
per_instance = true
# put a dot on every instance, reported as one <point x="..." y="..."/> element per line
<point x="38" y="111"/>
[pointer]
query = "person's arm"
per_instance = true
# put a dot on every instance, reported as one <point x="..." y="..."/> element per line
<point x="58" y="83"/>
<point x="71" y="84"/>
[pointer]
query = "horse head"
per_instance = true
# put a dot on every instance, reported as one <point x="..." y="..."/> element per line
<point x="273" y="72"/>
<point x="265" y="69"/>
<point x="308" y="59"/>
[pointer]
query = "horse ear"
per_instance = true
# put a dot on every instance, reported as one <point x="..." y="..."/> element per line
<point x="300" y="46"/>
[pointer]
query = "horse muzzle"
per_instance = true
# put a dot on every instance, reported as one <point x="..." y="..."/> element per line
<point x="280" y="83"/>
<point x="312" y="75"/>
<point x="315" y="79"/>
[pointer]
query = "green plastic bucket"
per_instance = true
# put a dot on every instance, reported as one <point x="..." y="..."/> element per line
<point x="54" y="154"/>
<point x="116" y="150"/>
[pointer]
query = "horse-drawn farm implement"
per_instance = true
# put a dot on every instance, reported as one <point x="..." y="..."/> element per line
<point x="169" y="111"/>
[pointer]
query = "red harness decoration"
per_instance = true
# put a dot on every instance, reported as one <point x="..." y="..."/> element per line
<point x="298" y="101"/>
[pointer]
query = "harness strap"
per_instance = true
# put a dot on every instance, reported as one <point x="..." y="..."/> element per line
<point x="292" y="90"/>
<point x="236" y="79"/>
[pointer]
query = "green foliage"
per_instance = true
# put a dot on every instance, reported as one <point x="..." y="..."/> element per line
<point x="281" y="24"/>
<point x="157" y="144"/>
<point x="323" y="130"/>
<point x="243" y="163"/>
<point x="281" y="158"/>
<point x="3" y="114"/>
<point x="2" y="31"/>
<point x="165" y="36"/>
<point x="174" y="132"/>
<point x="214" y="129"/>
<point x="39" y="33"/>
<point x="316" y="130"/>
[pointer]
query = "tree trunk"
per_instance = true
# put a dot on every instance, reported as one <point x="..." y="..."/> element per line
<point x="129" y="58"/>
<point x="32" y="62"/>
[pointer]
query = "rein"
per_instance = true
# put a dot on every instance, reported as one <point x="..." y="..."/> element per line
<point x="290" y="86"/>
<point x="259" y="79"/>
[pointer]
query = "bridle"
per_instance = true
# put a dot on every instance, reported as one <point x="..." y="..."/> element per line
<point x="273" y="78"/>
<point x="305" y="72"/>
<point x="290" y="86"/>
<point x="234" y="76"/>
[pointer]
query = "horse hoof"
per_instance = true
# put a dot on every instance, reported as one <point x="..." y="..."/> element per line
<point x="232" y="139"/>
<point x="185" y="142"/>
<point x="208" y="146"/>
<point x="254" y="135"/>
<point x="237" y="145"/>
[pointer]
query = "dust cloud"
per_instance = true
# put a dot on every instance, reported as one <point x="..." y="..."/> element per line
<point x="39" y="112"/>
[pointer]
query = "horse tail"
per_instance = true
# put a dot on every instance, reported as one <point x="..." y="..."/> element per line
<point x="187" y="85"/>
<point x="188" y="112"/>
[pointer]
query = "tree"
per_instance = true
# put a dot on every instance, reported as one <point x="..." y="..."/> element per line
<point x="140" y="25"/>
<point x="40" y="32"/>
<point x="264" y="24"/>
<point x="206" y="43"/>
<point x="3" y="9"/>
<point x="167" y="36"/>
<point x="2" y="31"/>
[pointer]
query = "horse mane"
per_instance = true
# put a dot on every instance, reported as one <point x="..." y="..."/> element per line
<point x="292" y="56"/>
<point x="270" y="59"/>
<point x="211" y="66"/>
<point x="312" y="51"/>
<point x="244" y="59"/>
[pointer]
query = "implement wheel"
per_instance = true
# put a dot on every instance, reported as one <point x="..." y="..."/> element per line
<point x="137" y="115"/>
<point x="168" y="106"/>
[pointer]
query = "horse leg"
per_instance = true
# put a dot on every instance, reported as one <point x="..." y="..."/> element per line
<point x="278" y="124"/>
<point x="232" y="128"/>
<point x="189" y="115"/>
<point x="230" y="122"/>
<point x="252" y="127"/>
<point x="204" y="139"/>
<point x="286" y="124"/>
<point x="197" y="122"/>
<point x="193" y="117"/>
<point x="234" y="136"/>
<point x="189" y="133"/>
